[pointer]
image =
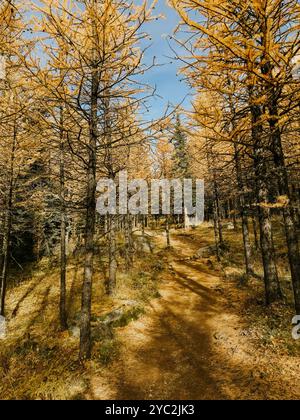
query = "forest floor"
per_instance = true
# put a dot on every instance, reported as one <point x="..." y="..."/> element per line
<point x="194" y="342"/>
<point x="202" y="336"/>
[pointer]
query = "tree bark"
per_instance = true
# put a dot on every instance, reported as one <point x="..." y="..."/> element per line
<point x="255" y="233"/>
<point x="234" y="215"/>
<point x="218" y="213"/>
<point x="216" y="231"/>
<point x="168" y="232"/>
<point x="112" y="281"/>
<point x="272" y="286"/>
<point x="7" y="224"/>
<point x="128" y="242"/>
<point x="288" y="211"/>
<point x="245" y="223"/>
<point x="63" y="231"/>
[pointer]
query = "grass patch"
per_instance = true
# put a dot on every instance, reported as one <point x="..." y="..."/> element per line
<point x="129" y="316"/>
<point x="106" y="352"/>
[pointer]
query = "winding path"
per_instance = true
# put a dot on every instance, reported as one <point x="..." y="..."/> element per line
<point x="186" y="346"/>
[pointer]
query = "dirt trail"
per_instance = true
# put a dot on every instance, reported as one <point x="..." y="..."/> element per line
<point x="166" y="352"/>
<point x="188" y="346"/>
<point x="192" y="343"/>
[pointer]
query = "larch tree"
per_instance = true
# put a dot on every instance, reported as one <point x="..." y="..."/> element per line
<point x="257" y="42"/>
<point x="17" y="125"/>
<point x="101" y="62"/>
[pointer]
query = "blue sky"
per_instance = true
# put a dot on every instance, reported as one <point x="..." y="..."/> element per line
<point x="165" y="78"/>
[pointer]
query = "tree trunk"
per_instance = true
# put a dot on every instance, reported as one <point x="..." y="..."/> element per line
<point x="272" y="286"/>
<point x="128" y="242"/>
<point x="143" y="225"/>
<point x="7" y="225"/>
<point x="216" y="232"/>
<point x="112" y="281"/>
<point x="288" y="211"/>
<point x="168" y="233"/>
<point x="63" y="230"/>
<point x="218" y="214"/>
<point x="255" y="233"/>
<point x="85" y="330"/>
<point x="245" y="224"/>
<point x="234" y="215"/>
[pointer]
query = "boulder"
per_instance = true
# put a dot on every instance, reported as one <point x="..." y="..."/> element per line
<point x="206" y="252"/>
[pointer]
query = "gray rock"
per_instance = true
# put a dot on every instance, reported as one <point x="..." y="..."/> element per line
<point x="75" y="332"/>
<point x="206" y="252"/>
<point x="144" y="244"/>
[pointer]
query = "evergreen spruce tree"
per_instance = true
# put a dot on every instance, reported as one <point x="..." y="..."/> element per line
<point x="181" y="161"/>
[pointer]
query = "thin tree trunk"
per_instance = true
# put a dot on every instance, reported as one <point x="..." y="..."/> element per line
<point x="112" y="281"/>
<point x="128" y="242"/>
<point x="245" y="224"/>
<point x="106" y="224"/>
<point x="217" y="239"/>
<point x="143" y="225"/>
<point x="63" y="230"/>
<point x="255" y="233"/>
<point x="168" y="232"/>
<point x="234" y="215"/>
<point x="218" y="213"/>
